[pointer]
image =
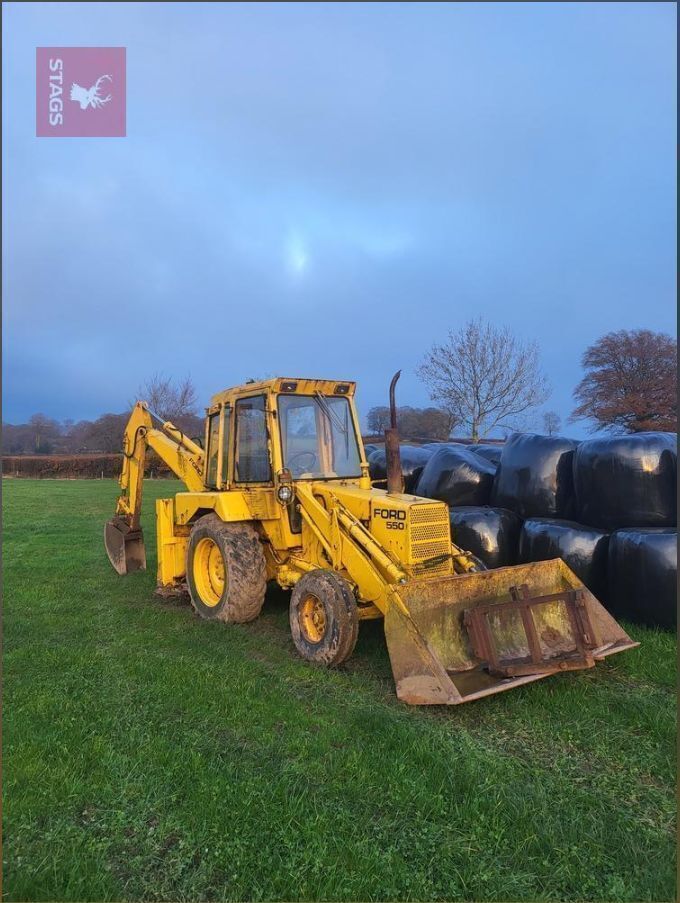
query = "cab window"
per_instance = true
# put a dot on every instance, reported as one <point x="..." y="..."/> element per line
<point x="318" y="438"/>
<point x="251" y="464"/>
<point x="213" y="449"/>
<point x="225" y="445"/>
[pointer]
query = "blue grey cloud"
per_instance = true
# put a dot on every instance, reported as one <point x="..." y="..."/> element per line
<point x="325" y="189"/>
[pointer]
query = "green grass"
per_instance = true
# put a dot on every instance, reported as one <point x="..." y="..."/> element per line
<point x="151" y="755"/>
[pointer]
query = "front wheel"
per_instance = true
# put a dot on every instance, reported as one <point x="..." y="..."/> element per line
<point x="324" y="622"/>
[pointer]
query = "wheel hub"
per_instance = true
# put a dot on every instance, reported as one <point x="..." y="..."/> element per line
<point x="209" y="574"/>
<point x="312" y="618"/>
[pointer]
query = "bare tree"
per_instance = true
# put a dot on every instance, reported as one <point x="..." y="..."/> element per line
<point x="630" y="382"/>
<point x="552" y="422"/>
<point x="424" y="423"/>
<point x="438" y="423"/>
<point x="77" y="437"/>
<point x="378" y="419"/>
<point x="45" y="431"/>
<point x="484" y="377"/>
<point x="106" y="433"/>
<point x="170" y="400"/>
<point x="17" y="439"/>
<point x="413" y="423"/>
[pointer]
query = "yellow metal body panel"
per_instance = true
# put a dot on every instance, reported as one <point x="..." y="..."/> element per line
<point x="281" y="384"/>
<point x="171" y="540"/>
<point x="231" y="505"/>
<point x="416" y="531"/>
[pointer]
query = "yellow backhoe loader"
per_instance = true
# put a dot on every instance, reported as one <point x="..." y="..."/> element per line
<point x="281" y="491"/>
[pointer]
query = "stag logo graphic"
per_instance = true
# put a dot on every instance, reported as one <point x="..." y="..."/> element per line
<point x="68" y="91"/>
<point x="90" y="97"/>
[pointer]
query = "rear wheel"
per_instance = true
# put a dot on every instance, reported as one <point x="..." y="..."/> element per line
<point x="323" y="618"/>
<point x="226" y="570"/>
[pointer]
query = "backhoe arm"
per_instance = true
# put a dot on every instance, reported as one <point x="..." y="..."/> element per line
<point x="123" y="535"/>
<point x="182" y="456"/>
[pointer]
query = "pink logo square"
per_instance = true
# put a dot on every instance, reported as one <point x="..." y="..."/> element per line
<point x="80" y="92"/>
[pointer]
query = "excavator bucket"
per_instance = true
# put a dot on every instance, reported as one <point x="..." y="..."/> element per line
<point x="124" y="546"/>
<point x="459" y="638"/>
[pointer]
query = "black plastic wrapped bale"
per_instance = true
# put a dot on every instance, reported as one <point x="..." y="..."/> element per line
<point x="643" y="572"/>
<point x="534" y="478"/>
<point x="456" y="476"/>
<point x="435" y="446"/>
<point x="583" y="549"/>
<point x="413" y="460"/>
<point x="492" y="453"/>
<point x="492" y="534"/>
<point x="627" y="481"/>
<point x="370" y="448"/>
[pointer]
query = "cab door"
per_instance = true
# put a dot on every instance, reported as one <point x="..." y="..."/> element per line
<point x="218" y="445"/>
<point x="252" y="460"/>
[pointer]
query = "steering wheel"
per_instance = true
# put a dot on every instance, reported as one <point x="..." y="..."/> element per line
<point x="298" y="467"/>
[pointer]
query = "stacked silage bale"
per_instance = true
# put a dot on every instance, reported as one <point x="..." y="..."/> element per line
<point x="606" y="506"/>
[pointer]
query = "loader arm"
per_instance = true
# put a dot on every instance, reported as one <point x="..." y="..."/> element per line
<point x="458" y="637"/>
<point x="351" y="547"/>
<point x="123" y="534"/>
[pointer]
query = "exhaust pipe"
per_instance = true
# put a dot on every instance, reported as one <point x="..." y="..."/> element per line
<point x="395" y="479"/>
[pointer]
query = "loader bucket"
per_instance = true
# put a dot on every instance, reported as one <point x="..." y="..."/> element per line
<point x="125" y="547"/>
<point x="463" y="637"/>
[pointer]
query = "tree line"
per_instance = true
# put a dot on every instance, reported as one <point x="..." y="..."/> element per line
<point x="41" y="435"/>
<point x="481" y="378"/>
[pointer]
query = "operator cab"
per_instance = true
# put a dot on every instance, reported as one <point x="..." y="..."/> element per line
<point x="306" y="428"/>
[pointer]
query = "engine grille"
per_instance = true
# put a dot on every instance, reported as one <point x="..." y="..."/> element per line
<point x="428" y="532"/>
<point x="429" y="514"/>
<point x="430" y="537"/>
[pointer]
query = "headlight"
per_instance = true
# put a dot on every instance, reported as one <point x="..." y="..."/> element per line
<point x="285" y="494"/>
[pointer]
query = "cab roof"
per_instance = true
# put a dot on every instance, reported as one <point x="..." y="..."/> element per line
<point x="287" y="385"/>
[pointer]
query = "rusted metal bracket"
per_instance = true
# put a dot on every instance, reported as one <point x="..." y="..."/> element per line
<point x="582" y="637"/>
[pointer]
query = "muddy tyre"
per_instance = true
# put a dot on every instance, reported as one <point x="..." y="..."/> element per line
<point x="324" y="622"/>
<point x="226" y="570"/>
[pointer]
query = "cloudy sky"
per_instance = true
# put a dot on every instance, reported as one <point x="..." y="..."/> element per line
<point x="324" y="190"/>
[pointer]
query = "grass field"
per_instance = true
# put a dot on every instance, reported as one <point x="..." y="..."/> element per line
<point x="151" y="755"/>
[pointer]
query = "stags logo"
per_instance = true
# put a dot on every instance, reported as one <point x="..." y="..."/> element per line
<point x="80" y="92"/>
<point x="90" y="98"/>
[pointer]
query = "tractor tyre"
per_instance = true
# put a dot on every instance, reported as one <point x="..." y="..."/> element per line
<point x="226" y="570"/>
<point x="324" y="622"/>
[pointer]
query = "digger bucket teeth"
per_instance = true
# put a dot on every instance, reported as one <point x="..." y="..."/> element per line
<point x="473" y="635"/>
<point x="125" y="547"/>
